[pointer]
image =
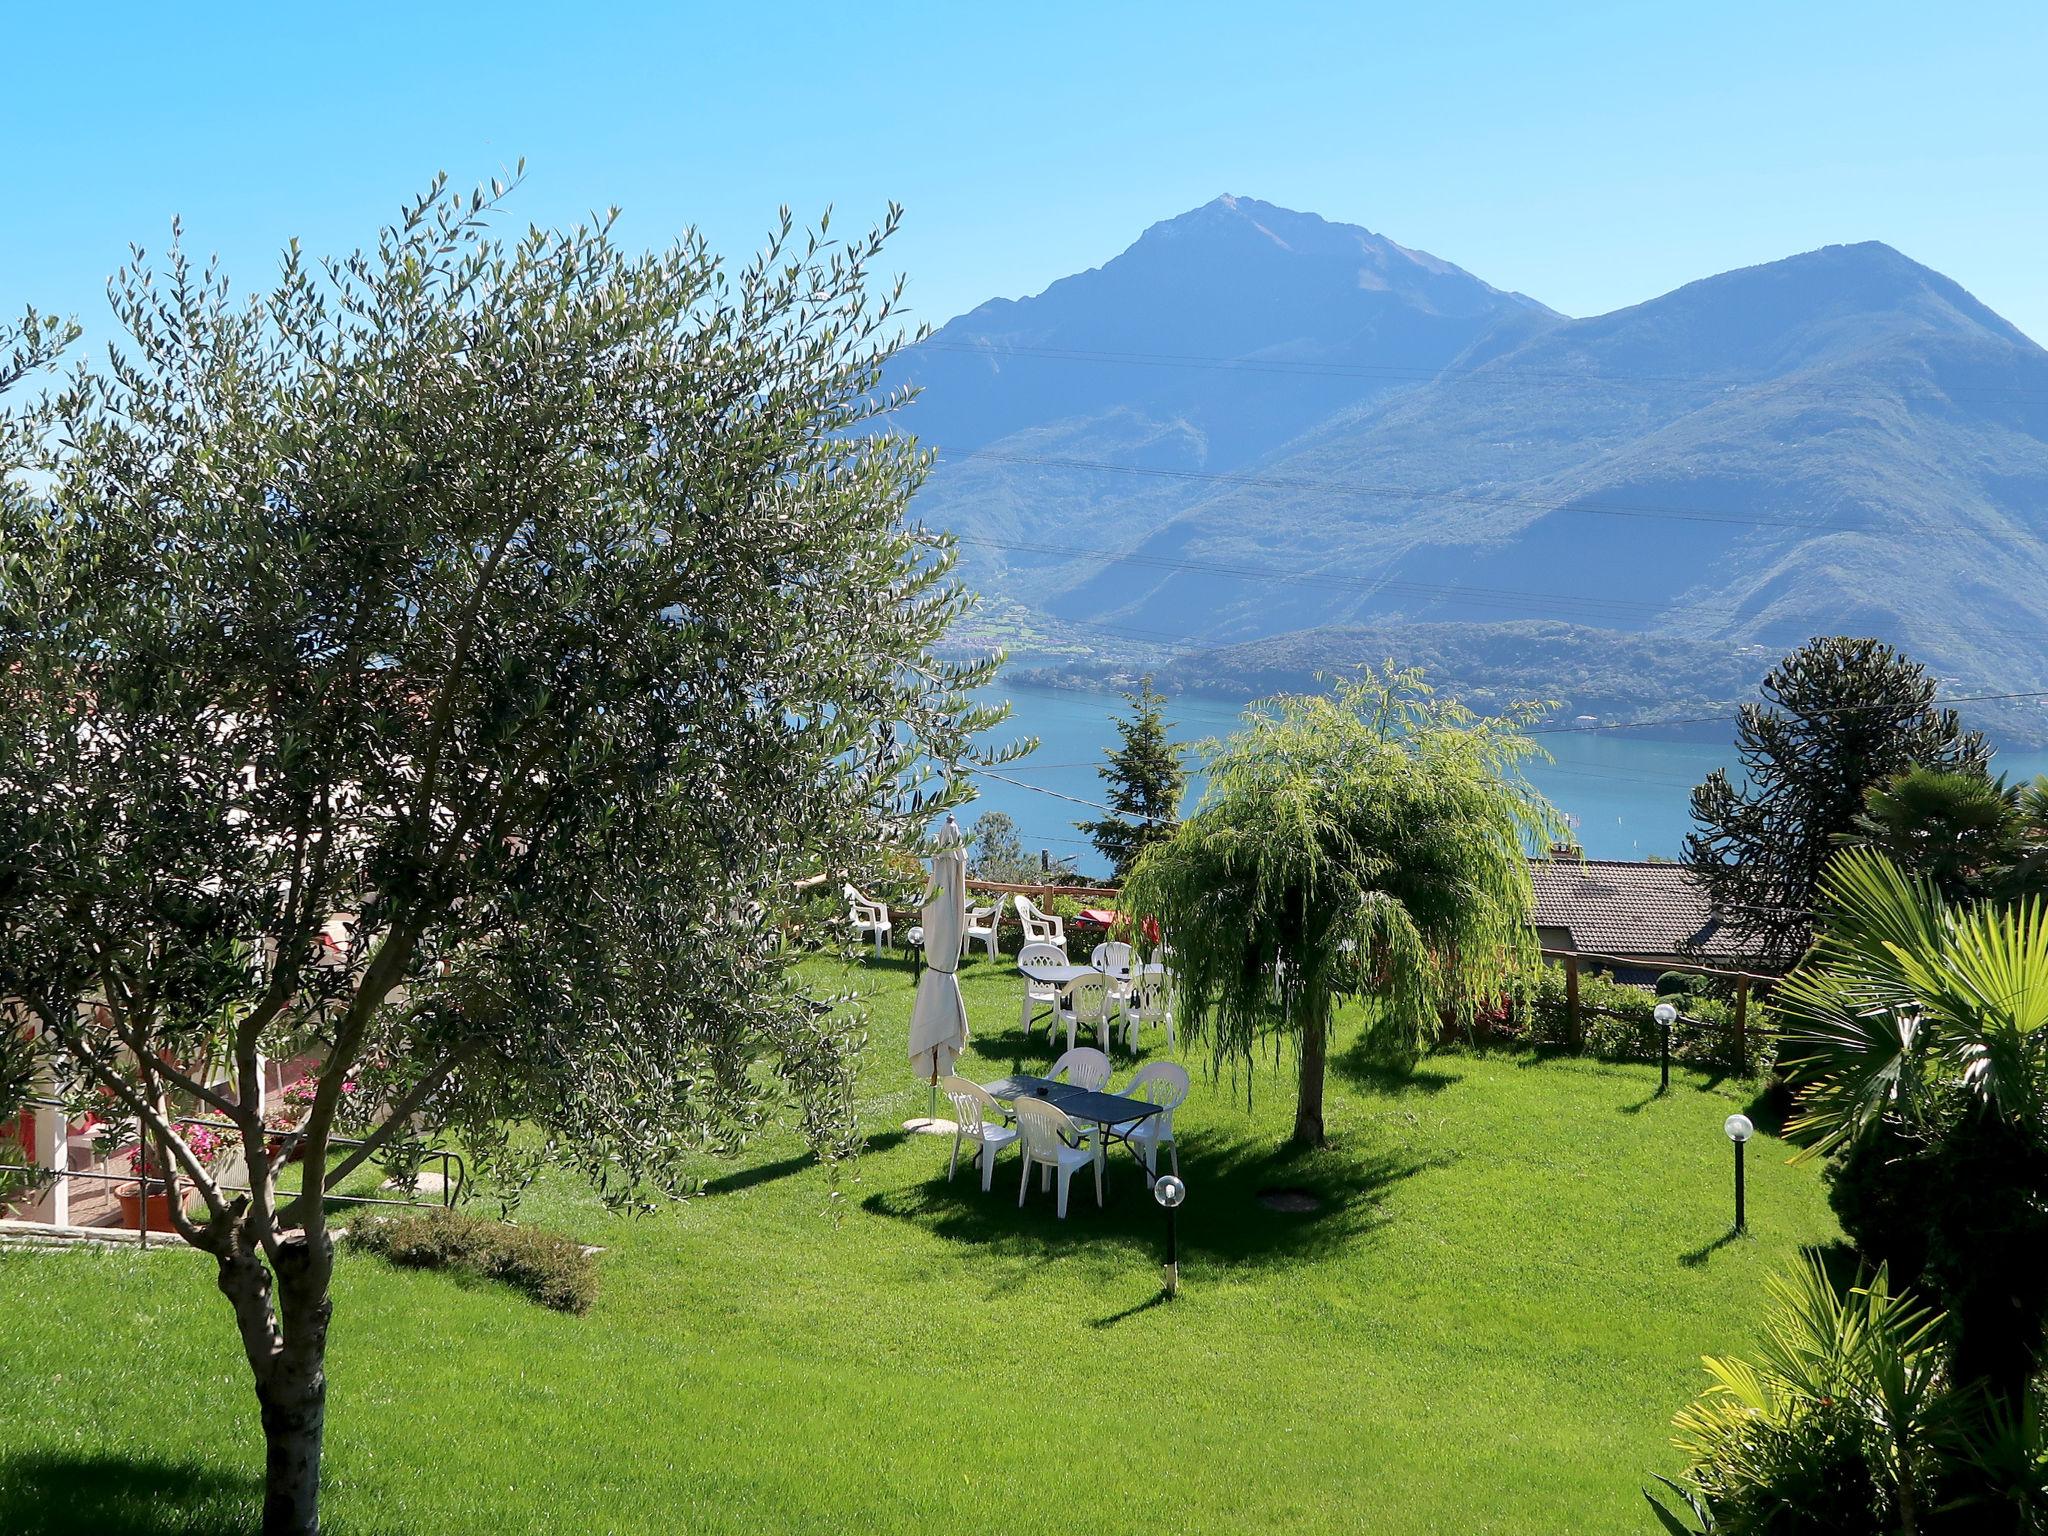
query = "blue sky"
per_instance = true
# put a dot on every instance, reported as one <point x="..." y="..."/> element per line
<point x="1591" y="155"/>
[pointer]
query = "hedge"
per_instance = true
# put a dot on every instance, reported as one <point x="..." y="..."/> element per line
<point x="552" y="1269"/>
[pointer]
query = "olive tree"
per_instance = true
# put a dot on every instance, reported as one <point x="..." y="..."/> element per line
<point x="1369" y="843"/>
<point x="441" y="666"/>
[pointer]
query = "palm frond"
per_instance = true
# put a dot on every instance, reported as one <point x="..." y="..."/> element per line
<point x="1904" y="995"/>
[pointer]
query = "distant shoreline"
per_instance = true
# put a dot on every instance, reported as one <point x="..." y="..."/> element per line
<point x="1708" y="732"/>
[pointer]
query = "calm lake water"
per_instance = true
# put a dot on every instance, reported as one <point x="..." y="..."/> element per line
<point x="1628" y="793"/>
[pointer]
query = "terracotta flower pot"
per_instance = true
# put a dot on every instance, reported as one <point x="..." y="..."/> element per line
<point x="131" y="1200"/>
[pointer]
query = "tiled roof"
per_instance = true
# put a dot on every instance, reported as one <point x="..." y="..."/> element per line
<point x="1615" y="907"/>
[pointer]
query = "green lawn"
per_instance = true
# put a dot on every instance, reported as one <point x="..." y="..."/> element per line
<point x="1487" y="1328"/>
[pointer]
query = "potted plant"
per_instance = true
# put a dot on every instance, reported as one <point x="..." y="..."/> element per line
<point x="147" y="1197"/>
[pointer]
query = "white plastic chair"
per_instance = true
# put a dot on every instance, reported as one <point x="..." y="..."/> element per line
<point x="1084" y="1067"/>
<point x="1049" y="1137"/>
<point x="977" y="1116"/>
<point x="1114" y="961"/>
<point x="1041" y="927"/>
<point x="1086" y="1000"/>
<point x="1151" y="1001"/>
<point x="1164" y="1083"/>
<point x="1111" y="958"/>
<point x="1039" y="994"/>
<point x="985" y="924"/>
<point x="867" y="917"/>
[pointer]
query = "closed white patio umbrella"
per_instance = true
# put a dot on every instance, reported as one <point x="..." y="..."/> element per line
<point x="938" y="1019"/>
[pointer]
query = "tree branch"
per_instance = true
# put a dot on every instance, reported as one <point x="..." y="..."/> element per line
<point x="403" y="1111"/>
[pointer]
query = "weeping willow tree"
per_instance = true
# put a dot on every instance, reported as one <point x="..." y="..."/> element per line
<point x="1370" y="842"/>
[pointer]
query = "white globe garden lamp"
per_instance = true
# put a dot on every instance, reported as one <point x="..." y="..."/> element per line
<point x="1739" y="1131"/>
<point x="1169" y="1191"/>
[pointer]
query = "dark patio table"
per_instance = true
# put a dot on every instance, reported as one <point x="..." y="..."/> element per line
<point x="1114" y="1112"/>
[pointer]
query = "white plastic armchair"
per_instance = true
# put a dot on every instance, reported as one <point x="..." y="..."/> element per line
<point x="1114" y="961"/>
<point x="1151" y="1000"/>
<point x="1086" y="1002"/>
<point x="1041" y="927"/>
<point x="978" y="1118"/>
<point x="867" y="917"/>
<point x="985" y="924"/>
<point x="1164" y="1083"/>
<point x="1111" y="958"/>
<point x="1083" y="1066"/>
<point x="1049" y="1140"/>
<point x="1039" y="995"/>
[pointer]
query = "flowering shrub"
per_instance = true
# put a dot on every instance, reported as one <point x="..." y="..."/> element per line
<point x="209" y="1146"/>
<point x="291" y="1105"/>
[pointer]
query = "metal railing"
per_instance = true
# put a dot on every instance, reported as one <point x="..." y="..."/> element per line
<point x="454" y="1174"/>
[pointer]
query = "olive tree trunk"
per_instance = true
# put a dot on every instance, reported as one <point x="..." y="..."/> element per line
<point x="285" y="1338"/>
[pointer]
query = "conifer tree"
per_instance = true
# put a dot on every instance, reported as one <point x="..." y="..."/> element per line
<point x="1840" y="716"/>
<point x="1146" y="779"/>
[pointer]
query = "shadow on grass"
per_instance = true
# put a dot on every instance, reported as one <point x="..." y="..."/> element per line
<point x="1698" y="1257"/>
<point x="117" y="1495"/>
<point x="1368" y="1073"/>
<point x="1643" y="1103"/>
<point x="1842" y="1264"/>
<point x="1222" y="1221"/>
<point x="1025" y="1050"/>
<point x="1156" y="1299"/>
<point x="782" y="1168"/>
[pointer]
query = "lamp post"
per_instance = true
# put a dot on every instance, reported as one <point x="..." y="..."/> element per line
<point x="1169" y="1192"/>
<point x="1667" y="1015"/>
<point x="1739" y="1131"/>
<point x="916" y="937"/>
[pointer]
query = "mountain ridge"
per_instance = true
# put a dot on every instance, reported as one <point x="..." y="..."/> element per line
<point x="1843" y="439"/>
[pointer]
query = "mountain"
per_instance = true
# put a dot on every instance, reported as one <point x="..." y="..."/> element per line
<point x="1841" y="441"/>
<point x="1214" y="339"/>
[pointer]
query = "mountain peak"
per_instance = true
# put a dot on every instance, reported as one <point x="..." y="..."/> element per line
<point x="1239" y="320"/>
<point x="1818" y="300"/>
<point x="1288" y="229"/>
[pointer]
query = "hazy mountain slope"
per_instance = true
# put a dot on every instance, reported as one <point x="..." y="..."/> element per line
<point x="1843" y="440"/>
<point x="1215" y="338"/>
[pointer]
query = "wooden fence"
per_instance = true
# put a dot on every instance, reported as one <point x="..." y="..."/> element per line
<point x="1570" y="959"/>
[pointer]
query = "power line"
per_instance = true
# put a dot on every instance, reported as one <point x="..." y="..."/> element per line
<point x="1414" y="494"/>
<point x="1040" y="789"/>
<point x="1589" y="609"/>
<point x="1484" y="373"/>
<point x="1353" y="585"/>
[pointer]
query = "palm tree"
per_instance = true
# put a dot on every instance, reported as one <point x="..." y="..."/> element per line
<point x="1916" y="1032"/>
<point x="1370" y="842"/>
<point x="1839" y="1422"/>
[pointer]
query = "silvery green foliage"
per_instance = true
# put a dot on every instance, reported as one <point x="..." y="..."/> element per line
<point x="445" y="664"/>
<point x="543" y="608"/>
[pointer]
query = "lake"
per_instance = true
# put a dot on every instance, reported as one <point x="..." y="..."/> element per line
<point x="1628" y="793"/>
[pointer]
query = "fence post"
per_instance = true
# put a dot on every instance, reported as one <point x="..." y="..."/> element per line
<point x="1742" y="1024"/>
<point x="1574" y="1018"/>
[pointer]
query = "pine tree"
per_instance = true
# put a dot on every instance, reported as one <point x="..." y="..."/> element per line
<point x="1840" y="716"/>
<point x="1146" y="780"/>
